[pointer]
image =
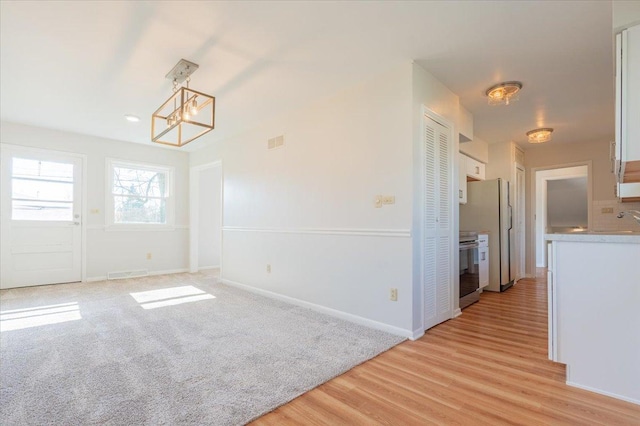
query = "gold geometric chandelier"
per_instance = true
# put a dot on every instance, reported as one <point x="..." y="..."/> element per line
<point x="503" y="93"/>
<point x="187" y="114"/>
<point x="540" y="135"/>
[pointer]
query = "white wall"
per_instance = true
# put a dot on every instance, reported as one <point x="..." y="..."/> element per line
<point x="477" y="149"/>
<point x="626" y="13"/>
<point x="209" y="217"/>
<point x="113" y="251"/>
<point x="307" y="209"/>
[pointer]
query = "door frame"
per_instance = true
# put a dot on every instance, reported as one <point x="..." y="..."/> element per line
<point x="194" y="212"/>
<point x="521" y="230"/>
<point x="533" y="254"/>
<point x="10" y="149"/>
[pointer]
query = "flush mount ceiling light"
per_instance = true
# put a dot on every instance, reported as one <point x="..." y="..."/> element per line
<point x="132" y="118"/>
<point x="503" y="93"/>
<point x="187" y="114"/>
<point x="540" y="135"/>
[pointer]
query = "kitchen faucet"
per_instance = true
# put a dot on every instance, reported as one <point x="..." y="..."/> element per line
<point x="634" y="213"/>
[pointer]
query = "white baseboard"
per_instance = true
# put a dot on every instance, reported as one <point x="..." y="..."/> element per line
<point x="204" y="268"/>
<point x="163" y="272"/>
<point x="601" y="392"/>
<point x="169" y="271"/>
<point x="417" y="334"/>
<point x="457" y="313"/>
<point x="94" y="279"/>
<point x="324" y="310"/>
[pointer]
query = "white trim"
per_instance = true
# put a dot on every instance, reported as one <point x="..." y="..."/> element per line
<point x="601" y="392"/>
<point x="457" y="313"/>
<point x="403" y="233"/>
<point x="150" y="273"/>
<point x="205" y="268"/>
<point x="194" y="211"/>
<point x="169" y="271"/>
<point x="324" y="310"/>
<point x="134" y="228"/>
<point x="417" y="334"/>
<point x="95" y="279"/>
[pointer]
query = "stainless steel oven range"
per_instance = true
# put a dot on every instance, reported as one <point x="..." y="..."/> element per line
<point x="469" y="271"/>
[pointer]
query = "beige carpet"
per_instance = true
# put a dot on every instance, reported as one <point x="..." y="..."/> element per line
<point x="174" y="349"/>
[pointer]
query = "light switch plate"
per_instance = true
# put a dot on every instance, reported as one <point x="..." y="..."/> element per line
<point x="388" y="199"/>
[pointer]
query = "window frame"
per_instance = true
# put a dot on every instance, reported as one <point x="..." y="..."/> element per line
<point x="110" y="224"/>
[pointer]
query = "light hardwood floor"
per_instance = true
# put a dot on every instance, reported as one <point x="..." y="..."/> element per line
<point x="486" y="367"/>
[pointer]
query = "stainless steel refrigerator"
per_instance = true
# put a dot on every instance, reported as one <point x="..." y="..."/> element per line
<point x="489" y="209"/>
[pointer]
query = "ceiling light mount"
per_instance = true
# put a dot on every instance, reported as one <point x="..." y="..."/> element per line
<point x="503" y="93"/>
<point x="187" y="114"/>
<point x="182" y="71"/>
<point x="540" y="135"/>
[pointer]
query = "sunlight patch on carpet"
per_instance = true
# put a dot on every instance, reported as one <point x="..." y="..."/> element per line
<point x="170" y="296"/>
<point x="18" y="319"/>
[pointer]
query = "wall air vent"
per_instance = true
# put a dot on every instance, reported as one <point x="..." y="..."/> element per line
<point x="127" y="274"/>
<point x="276" y="142"/>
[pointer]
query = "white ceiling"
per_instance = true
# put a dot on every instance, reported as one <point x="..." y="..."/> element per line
<point x="81" y="66"/>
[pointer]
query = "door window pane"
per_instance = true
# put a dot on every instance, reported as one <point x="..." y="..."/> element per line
<point x="41" y="190"/>
<point x="42" y="210"/>
<point x="23" y="167"/>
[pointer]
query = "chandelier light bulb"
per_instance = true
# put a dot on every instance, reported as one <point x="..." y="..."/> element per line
<point x="540" y="135"/>
<point x="194" y="107"/>
<point x="503" y="93"/>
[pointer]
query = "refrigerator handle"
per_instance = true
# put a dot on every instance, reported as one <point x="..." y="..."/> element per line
<point x="510" y="218"/>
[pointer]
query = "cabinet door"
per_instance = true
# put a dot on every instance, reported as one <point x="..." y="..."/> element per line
<point x="475" y="169"/>
<point x="462" y="179"/>
<point x="628" y="105"/>
<point x="437" y="243"/>
<point x="483" y="266"/>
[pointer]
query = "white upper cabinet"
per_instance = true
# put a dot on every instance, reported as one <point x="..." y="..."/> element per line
<point x="469" y="170"/>
<point x="462" y="179"/>
<point x="627" y="150"/>
<point x="475" y="169"/>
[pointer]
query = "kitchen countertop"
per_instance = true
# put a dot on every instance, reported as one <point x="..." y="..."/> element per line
<point x="624" y="237"/>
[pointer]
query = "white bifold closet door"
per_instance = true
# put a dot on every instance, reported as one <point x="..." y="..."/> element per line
<point x="437" y="244"/>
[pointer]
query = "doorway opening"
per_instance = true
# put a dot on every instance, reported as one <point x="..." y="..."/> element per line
<point x="205" y="217"/>
<point x="562" y="204"/>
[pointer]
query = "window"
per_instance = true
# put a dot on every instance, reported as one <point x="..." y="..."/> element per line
<point x="139" y="194"/>
<point x="41" y="190"/>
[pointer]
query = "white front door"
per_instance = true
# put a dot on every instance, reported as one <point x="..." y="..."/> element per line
<point x="41" y="209"/>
